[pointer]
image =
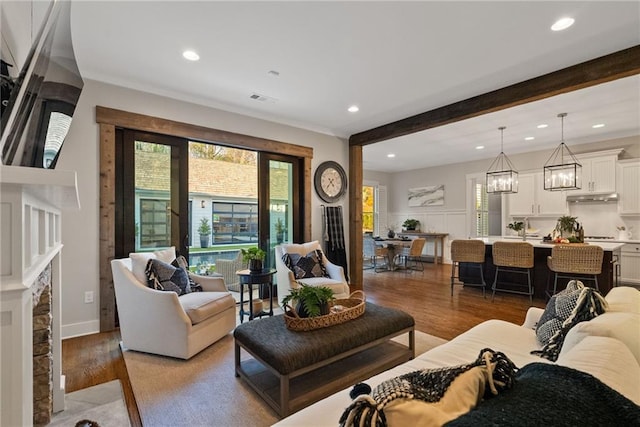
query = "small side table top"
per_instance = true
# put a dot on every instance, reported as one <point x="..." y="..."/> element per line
<point x="255" y="276"/>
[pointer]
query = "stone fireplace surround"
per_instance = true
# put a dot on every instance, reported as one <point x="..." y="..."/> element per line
<point x="31" y="205"/>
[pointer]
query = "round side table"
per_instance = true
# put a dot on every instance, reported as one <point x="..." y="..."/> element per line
<point x="250" y="278"/>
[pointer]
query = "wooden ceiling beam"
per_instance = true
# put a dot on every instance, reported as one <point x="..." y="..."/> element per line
<point x="606" y="68"/>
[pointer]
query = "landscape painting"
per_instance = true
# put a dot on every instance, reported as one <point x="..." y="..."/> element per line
<point x="427" y="196"/>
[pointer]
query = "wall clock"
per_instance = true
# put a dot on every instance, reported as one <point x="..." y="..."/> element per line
<point x="330" y="181"/>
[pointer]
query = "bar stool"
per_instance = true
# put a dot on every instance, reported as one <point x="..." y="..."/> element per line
<point x="470" y="252"/>
<point x="574" y="262"/>
<point x="513" y="257"/>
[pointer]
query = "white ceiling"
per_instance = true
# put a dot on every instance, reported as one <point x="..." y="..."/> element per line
<point x="392" y="59"/>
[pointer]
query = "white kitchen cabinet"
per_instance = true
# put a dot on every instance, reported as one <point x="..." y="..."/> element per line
<point x="630" y="263"/>
<point x="533" y="200"/>
<point x="598" y="172"/>
<point x="629" y="187"/>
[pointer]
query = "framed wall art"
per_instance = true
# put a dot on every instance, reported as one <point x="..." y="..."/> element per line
<point x="427" y="196"/>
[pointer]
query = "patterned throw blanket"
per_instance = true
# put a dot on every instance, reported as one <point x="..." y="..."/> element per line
<point x="431" y="396"/>
<point x="551" y="395"/>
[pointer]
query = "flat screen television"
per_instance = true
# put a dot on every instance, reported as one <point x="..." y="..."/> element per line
<point x="42" y="99"/>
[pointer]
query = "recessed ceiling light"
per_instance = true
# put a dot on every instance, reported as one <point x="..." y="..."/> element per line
<point x="529" y="138"/>
<point x="598" y="126"/>
<point x="353" y="109"/>
<point x="480" y="147"/>
<point x="542" y="126"/>
<point x="391" y="155"/>
<point x="190" y="55"/>
<point x="562" y="24"/>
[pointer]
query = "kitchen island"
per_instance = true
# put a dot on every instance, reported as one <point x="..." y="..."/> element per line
<point x="541" y="250"/>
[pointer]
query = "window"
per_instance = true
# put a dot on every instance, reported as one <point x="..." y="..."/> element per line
<point x="482" y="210"/>
<point x="154" y="223"/>
<point x="235" y="222"/>
<point x="368" y="205"/>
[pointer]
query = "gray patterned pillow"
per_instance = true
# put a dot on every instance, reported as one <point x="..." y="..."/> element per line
<point x="165" y="277"/>
<point x="558" y="310"/>
<point x="305" y="266"/>
<point x="182" y="263"/>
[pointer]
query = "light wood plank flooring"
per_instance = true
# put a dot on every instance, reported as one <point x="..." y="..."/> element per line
<point x="96" y="359"/>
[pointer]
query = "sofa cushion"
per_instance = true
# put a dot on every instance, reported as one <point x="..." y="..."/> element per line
<point x="305" y="266"/>
<point x="624" y="298"/>
<point x="200" y="306"/>
<point x="619" y="325"/>
<point x="139" y="261"/>
<point x="607" y="359"/>
<point x="165" y="277"/>
<point x="181" y="262"/>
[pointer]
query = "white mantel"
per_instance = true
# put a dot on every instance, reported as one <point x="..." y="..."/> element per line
<point x="31" y="204"/>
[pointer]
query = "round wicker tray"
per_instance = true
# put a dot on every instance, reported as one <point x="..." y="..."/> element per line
<point x="342" y="310"/>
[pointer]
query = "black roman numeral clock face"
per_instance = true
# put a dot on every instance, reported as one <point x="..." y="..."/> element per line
<point x="330" y="181"/>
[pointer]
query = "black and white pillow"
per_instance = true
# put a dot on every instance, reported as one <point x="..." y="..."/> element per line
<point x="165" y="277"/>
<point x="564" y="310"/>
<point x="182" y="263"/>
<point x="305" y="266"/>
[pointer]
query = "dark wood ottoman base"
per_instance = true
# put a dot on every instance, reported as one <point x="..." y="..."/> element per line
<point x="291" y="370"/>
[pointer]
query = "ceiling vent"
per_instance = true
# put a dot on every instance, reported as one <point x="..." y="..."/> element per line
<point x="262" y="98"/>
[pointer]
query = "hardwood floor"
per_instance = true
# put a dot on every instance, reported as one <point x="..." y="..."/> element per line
<point x="95" y="359"/>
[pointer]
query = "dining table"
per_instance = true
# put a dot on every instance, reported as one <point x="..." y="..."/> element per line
<point x="394" y="247"/>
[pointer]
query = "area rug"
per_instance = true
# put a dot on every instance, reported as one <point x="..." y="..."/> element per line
<point x="204" y="391"/>
<point x="102" y="404"/>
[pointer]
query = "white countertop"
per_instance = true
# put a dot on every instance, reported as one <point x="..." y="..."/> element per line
<point x="607" y="245"/>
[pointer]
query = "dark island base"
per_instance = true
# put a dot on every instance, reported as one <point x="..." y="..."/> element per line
<point x="541" y="274"/>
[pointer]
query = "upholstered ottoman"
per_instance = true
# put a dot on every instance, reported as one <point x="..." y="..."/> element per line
<point x="291" y="370"/>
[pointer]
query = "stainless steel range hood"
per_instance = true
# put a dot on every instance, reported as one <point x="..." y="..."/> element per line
<point x="593" y="198"/>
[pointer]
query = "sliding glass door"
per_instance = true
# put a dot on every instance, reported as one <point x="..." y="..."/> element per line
<point x="207" y="200"/>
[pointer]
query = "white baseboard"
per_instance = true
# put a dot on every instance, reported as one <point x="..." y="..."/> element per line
<point x="79" y="329"/>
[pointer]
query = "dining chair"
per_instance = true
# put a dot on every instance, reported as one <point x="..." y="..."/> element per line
<point x="471" y="253"/>
<point x="575" y="261"/>
<point x="513" y="257"/>
<point x="411" y="257"/>
<point x="373" y="253"/>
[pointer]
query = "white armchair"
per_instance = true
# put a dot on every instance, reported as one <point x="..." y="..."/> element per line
<point x="164" y="323"/>
<point x="286" y="278"/>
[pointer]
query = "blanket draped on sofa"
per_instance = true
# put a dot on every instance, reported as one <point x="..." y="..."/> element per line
<point x="553" y="395"/>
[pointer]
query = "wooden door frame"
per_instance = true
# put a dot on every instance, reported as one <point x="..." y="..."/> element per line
<point x="109" y="119"/>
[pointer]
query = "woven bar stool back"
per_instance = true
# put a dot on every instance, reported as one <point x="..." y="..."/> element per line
<point x="575" y="262"/>
<point x="513" y="257"/>
<point x="470" y="252"/>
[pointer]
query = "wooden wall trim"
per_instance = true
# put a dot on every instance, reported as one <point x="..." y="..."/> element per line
<point x="355" y="218"/>
<point x="590" y="73"/>
<point x="128" y="120"/>
<point x="107" y="225"/>
<point x="109" y="119"/>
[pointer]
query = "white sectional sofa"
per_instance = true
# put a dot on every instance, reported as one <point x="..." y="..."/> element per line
<point x="607" y="347"/>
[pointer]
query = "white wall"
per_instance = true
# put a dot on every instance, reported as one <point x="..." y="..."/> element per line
<point x="80" y="152"/>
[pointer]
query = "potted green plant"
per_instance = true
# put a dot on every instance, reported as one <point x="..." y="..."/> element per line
<point x="410" y="224"/>
<point x="310" y="301"/>
<point x="254" y="256"/>
<point x="204" y="230"/>
<point x="517" y="226"/>
<point x="566" y="225"/>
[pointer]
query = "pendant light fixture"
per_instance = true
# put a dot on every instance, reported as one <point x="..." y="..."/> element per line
<point x="562" y="171"/>
<point x="501" y="176"/>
